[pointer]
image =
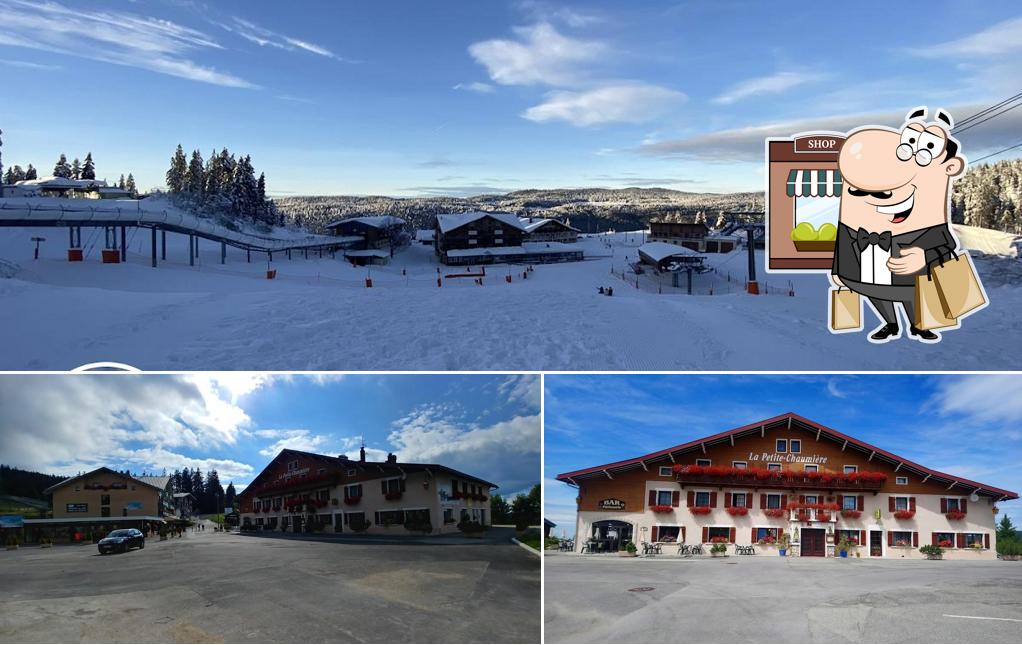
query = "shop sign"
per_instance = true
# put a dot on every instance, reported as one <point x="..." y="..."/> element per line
<point x="611" y="505"/>
<point x="77" y="508"/>
<point x="12" y="521"/>
<point x="294" y="473"/>
<point x="818" y="143"/>
<point x="786" y="458"/>
<point x="133" y="506"/>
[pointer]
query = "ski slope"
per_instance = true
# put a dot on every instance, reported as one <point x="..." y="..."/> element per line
<point x="319" y="315"/>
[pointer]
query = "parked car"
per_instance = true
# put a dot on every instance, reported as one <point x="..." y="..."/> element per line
<point x="121" y="540"/>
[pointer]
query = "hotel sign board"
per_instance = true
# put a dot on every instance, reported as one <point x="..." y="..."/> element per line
<point x="77" y="508"/>
<point x="611" y="505"/>
<point x="12" y="521"/>
<point x="294" y="473"/>
<point x="786" y="458"/>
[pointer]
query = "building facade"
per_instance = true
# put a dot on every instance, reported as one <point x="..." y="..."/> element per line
<point x="539" y="229"/>
<point x="301" y="492"/>
<point x="785" y="479"/>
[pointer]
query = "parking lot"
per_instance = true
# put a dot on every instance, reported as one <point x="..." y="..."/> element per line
<point x="209" y="587"/>
<point x="606" y="599"/>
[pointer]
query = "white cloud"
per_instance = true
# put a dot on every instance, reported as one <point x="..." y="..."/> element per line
<point x="265" y="37"/>
<point x="629" y="102"/>
<point x="28" y="64"/>
<point x="298" y="439"/>
<point x="540" y="56"/>
<point x="523" y="389"/>
<point x="119" y="38"/>
<point x="834" y="390"/>
<point x="476" y="86"/>
<point x="988" y="398"/>
<point x="1002" y="39"/>
<point x="772" y="84"/>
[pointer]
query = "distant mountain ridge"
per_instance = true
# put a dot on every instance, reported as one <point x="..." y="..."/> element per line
<point x="589" y="209"/>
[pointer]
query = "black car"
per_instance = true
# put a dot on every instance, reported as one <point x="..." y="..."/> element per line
<point x="121" y="540"/>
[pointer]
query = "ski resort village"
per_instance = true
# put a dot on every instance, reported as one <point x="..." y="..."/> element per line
<point x="211" y="274"/>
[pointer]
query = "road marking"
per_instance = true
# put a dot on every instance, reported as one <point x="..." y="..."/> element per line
<point x="1010" y="620"/>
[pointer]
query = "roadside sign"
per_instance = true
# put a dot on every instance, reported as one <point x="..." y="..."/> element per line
<point x="228" y="510"/>
<point x="11" y="521"/>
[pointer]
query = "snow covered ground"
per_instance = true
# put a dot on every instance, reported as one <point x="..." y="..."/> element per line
<point x="318" y="314"/>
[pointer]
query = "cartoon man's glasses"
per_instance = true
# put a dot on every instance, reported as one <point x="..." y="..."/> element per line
<point x="906" y="152"/>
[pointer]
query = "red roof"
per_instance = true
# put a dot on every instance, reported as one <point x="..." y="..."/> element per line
<point x="788" y="416"/>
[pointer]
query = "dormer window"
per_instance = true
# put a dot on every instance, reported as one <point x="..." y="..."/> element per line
<point x="782" y="445"/>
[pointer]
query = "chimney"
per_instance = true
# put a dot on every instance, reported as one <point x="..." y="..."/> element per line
<point x="391" y="458"/>
<point x="362" y="454"/>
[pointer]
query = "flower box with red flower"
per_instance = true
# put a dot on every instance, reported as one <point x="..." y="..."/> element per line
<point x="947" y="544"/>
<point x="719" y="540"/>
<point x="955" y="515"/>
<point x="901" y="543"/>
<point x="736" y="510"/>
<point x="700" y="510"/>
<point x="775" y="512"/>
<point x="822" y="516"/>
<point x="321" y="503"/>
<point x="851" y="514"/>
<point x="351" y="501"/>
<point x="904" y="515"/>
<point x="390" y="497"/>
<point x="768" y="540"/>
<point x="803" y="517"/>
<point x="661" y="508"/>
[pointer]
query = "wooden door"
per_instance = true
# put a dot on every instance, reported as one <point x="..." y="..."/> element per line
<point x="814" y="542"/>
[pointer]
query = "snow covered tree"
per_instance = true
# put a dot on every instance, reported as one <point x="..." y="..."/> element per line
<point x="63" y="168"/>
<point x="89" y="168"/>
<point x="195" y="177"/>
<point x="120" y="182"/>
<point x="76" y="169"/>
<point x="8" y="177"/>
<point x="264" y="212"/>
<point x="177" y="171"/>
<point x="129" y="185"/>
<point x="30" y="172"/>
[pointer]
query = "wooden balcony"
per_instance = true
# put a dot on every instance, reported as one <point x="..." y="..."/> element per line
<point x="787" y="483"/>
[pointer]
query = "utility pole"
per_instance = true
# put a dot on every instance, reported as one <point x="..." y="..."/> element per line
<point x="752" y="286"/>
<point x="1" y="164"/>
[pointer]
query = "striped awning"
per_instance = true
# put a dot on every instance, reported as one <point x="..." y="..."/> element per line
<point x="814" y="183"/>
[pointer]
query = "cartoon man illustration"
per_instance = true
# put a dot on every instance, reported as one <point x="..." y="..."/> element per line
<point x="894" y="214"/>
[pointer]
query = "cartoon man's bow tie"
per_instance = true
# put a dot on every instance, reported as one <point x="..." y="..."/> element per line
<point x="864" y="238"/>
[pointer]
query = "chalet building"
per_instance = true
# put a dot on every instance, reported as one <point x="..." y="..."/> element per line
<point x="370" y="239"/>
<point x="58" y="187"/>
<point x="303" y="491"/>
<point x="785" y="479"/>
<point x="662" y="256"/>
<point x="493" y="238"/>
<point x="538" y="229"/>
<point x="692" y="235"/>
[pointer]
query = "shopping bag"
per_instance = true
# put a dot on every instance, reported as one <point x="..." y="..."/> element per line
<point x="958" y="286"/>
<point x="845" y="310"/>
<point x="929" y="313"/>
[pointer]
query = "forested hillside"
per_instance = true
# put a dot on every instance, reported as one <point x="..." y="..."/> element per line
<point x="25" y="483"/>
<point x="990" y="196"/>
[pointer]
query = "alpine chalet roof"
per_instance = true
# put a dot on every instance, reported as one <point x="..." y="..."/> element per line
<point x="660" y="251"/>
<point x="532" y="223"/>
<point x="450" y="221"/>
<point x="152" y="482"/>
<point x="791" y="420"/>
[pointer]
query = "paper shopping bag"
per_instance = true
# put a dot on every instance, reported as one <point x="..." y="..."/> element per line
<point x="958" y="286"/>
<point x="845" y="310"/>
<point x="929" y="313"/>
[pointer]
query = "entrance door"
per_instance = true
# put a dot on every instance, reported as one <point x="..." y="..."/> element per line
<point x="814" y="542"/>
<point x="876" y="544"/>
<point x="612" y="535"/>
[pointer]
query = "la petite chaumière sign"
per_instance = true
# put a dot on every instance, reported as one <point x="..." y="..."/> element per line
<point x="788" y="458"/>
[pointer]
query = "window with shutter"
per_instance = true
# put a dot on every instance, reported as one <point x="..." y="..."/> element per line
<point x="733" y="535"/>
<point x="943" y="507"/>
<point x="676" y="498"/>
<point x="655" y="534"/>
<point x="713" y="500"/>
<point x="912" y="504"/>
<point x="963" y="506"/>
<point x="691" y="499"/>
<point x="706" y="534"/>
<point x="727" y="499"/>
<point x="652" y="498"/>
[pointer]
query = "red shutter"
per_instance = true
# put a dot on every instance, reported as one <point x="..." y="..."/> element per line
<point x="963" y="506"/>
<point x="706" y="534"/>
<point x="753" y="536"/>
<point x="727" y="499"/>
<point x="784" y="501"/>
<point x="683" y="535"/>
<point x="713" y="500"/>
<point x="862" y="537"/>
<point x="915" y="538"/>
<point x="748" y="500"/>
<point x="801" y="499"/>
<point x="780" y="532"/>
<point x="960" y="540"/>
<point x="733" y="536"/>
<point x="676" y="498"/>
<point x="762" y="501"/>
<point x="652" y="498"/>
<point x="912" y="504"/>
<point x="691" y="498"/>
<point x="861" y="503"/>
<point x="890" y="538"/>
<point x="933" y="538"/>
<point x="943" y="505"/>
<point x="986" y="540"/>
<point x="655" y="533"/>
<point x="890" y="504"/>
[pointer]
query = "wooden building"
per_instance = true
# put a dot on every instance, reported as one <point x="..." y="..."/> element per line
<point x="785" y="478"/>
<point x="306" y="492"/>
<point x="539" y="229"/>
<point x="375" y="232"/>
<point x="494" y="238"/>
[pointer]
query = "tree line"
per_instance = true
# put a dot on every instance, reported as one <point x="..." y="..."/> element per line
<point x="74" y="170"/>
<point x="209" y="494"/>
<point x="523" y="511"/>
<point x="990" y="196"/>
<point x="25" y="483"/>
<point x="223" y="183"/>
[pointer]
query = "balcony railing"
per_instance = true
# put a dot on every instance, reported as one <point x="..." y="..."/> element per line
<point x="787" y="480"/>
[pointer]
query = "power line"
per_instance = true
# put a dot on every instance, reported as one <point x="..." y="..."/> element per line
<point x="987" y="110"/>
<point x="994" y="154"/>
<point x="992" y="116"/>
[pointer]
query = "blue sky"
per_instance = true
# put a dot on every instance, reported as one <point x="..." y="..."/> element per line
<point x="410" y="98"/>
<point x="488" y="426"/>
<point x="962" y="425"/>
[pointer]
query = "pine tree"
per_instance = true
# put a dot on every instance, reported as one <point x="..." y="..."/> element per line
<point x="120" y="183"/>
<point x="129" y="185"/>
<point x="31" y="173"/>
<point x="195" y="177"/>
<point x="261" y="205"/>
<point x="62" y="169"/>
<point x="177" y="171"/>
<point x="19" y="173"/>
<point x="89" y="169"/>
<point x="229" y="496"/>
<point x="9" y="177"/>
<point x="210" y="174"/>
<point x="76" y="169"/>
